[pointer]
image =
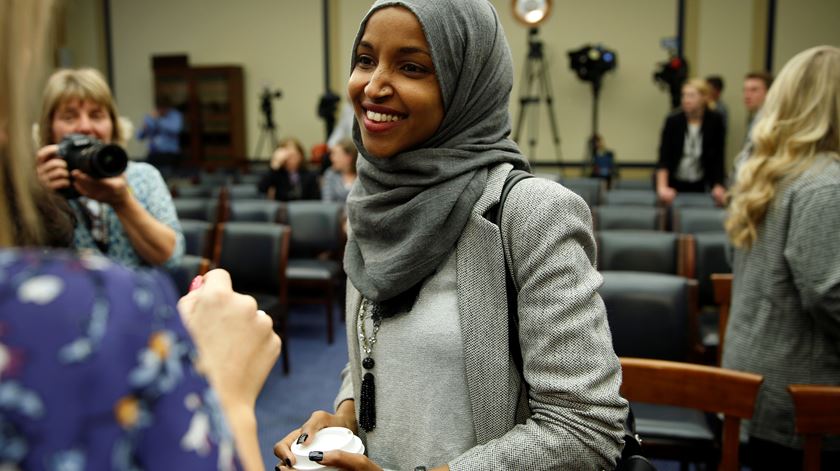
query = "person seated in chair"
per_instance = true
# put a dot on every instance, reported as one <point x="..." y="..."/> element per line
<point x="288" y="178"/>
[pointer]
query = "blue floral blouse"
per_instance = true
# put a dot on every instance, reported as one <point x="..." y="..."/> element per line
<point x="96" y="371"/>
<point x="100" y="222"/>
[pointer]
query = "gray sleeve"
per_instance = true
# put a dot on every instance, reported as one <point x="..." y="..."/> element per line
<point x="813" y="253"/>
<point x="345" y="392"/>
<point x="573" y="373"/>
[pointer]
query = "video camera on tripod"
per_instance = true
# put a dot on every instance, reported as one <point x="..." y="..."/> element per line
<point x="267" y="135"/>
<point x="267" y="106"/>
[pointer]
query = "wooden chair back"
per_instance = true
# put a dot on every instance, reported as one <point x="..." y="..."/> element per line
<point x="722" y="286"/>
<point x="707" y="388"/>
<point x="817" y="413"/>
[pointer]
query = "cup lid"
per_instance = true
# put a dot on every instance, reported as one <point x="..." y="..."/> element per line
<point x="327" y="439"/>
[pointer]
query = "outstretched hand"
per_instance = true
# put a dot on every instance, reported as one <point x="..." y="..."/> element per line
<point x="345" y="417"/>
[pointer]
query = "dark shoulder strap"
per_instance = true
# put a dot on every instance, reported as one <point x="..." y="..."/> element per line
<point x="514" y="177"/>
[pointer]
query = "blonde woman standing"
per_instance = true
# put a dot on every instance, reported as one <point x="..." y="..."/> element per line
<point x="691" y="148"/>
<point x="784" y="221"/>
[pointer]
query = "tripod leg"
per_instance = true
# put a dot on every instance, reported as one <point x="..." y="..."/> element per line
<point x="524" y="98"/>
<point x="546" y="85"/>
<point x="535" y="117"/>
<point x="259" y="145"/>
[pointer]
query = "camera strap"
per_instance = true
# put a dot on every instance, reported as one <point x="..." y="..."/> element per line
<point x="95" y="219"/>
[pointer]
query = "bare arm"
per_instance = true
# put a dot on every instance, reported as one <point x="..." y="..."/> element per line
<point x="665" y="193"/>
<point x="153" y="240"/>
<point x="237" y="348"/>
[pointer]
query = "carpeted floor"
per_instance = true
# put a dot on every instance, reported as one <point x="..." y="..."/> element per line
<point x="313" y="381"/>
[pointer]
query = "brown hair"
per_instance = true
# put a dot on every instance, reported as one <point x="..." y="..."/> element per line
<point x="763" y="76"/>
<point x="77" y="84"/>
<point x="294" y="142"/>
<point x="25" y="205"/>
<point x="347" y="145"/>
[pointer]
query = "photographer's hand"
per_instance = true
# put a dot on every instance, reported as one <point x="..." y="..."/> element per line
<point x="51" y="170"/>
<point x="112" y="191"/>
<point x="153" y="240"/>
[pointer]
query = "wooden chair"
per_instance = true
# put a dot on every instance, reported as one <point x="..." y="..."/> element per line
<point x="817" y="414"/>
<point x="707" y="388"/>
<point x="722" y="286"/>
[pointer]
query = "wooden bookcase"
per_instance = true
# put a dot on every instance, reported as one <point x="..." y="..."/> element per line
<point x="211" y="99"/>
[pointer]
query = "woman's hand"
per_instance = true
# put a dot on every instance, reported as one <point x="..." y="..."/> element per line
<point x="112" y="191"/>
<point x="666" y="194"/>
<point x="279" y="158"/>
<point x="345" y="417"/>
<point x="236" y="344"/>
<point x="237" y="347"/>
<point x="51" y="169"/>
<point x="342" y="460"/>
<point x="719" y="195"/>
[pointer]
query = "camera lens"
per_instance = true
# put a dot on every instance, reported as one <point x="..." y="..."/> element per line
<point x="109" y="161"/>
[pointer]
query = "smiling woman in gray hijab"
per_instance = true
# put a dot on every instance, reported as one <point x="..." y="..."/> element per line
<point x="430" y="381"/>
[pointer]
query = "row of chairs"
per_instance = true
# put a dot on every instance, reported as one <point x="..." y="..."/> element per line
<point x="675" y="400"/>
<point x="687" y="220"/>
<point x="624" y="192"/>
<point x="280" y="253"/>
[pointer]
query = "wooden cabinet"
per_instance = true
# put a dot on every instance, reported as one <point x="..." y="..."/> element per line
<point x="211" y="100"/>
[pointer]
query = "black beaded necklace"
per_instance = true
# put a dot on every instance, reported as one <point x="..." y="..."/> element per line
<point x="367" y="408"/>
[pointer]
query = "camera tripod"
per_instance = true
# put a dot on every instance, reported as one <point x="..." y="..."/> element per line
<point x="268" y="127"/>
<point x="536" y="74"/>
<point x="268" y="136"/>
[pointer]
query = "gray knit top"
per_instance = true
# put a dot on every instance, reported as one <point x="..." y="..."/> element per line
<point x="421" y="391"/>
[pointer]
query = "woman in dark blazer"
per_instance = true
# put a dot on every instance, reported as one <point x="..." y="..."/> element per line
<point x="691" y="148"/>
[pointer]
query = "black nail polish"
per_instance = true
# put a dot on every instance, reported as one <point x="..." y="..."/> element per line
<point x="316" y="456"/>
<point x="302" y="438"/>
<point x="277" y="467"/>
<point x="288" y="462"/>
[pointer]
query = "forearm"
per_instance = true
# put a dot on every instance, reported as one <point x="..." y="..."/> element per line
<point x="661" y="178"/>
<point x="153" y="240"/>
<point x="243" y="425"/>
<point x="347" y="411"/>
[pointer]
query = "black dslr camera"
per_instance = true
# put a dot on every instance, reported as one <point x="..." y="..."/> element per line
<point x="92" y="157"/>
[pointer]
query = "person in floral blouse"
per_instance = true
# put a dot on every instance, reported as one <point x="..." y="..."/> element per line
<point x="102" y="367"/>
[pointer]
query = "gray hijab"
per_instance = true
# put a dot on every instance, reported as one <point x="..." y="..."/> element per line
<point x="408" y="211"/>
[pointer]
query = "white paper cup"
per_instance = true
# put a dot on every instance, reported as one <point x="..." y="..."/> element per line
<point x="327" y="439"/>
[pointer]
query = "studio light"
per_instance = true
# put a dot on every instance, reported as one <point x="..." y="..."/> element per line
<point x="531" y="12"/>
<point x="590" y="63"/>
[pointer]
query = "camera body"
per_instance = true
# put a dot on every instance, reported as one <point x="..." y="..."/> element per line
<point x="91" y="156"/>
<point x="266" y="97"/>
<point x="590" y="63"/>
<point x="671" y="74"/>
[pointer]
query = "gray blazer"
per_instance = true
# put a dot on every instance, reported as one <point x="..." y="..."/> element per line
<point x="785" y="319"/>
<point x="574" y="415"/>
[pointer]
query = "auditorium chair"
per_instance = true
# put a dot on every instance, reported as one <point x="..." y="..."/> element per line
<point x="647" y="251"/>
<point x="710" y="389"/>
<point x="817" y="409"/>
<point x="648" y="218"/>
<point x="630" y="197"/>
<point x="653" y="315"/>
<point x="256" y="255"/>
<point x="315" y="272"/>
